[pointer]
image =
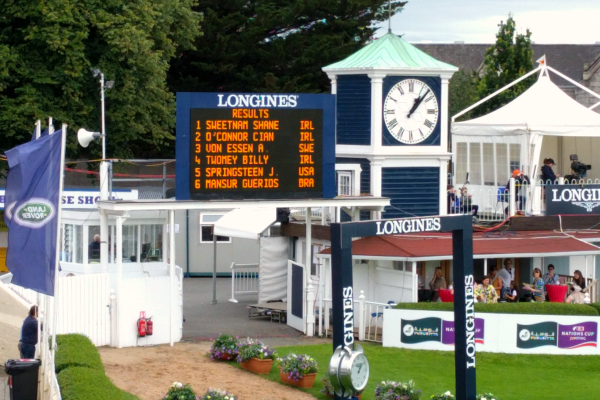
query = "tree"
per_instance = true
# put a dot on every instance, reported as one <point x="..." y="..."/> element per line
<point x="46" y="52"/>
<point x="462" y="93"/>
<point x="510" y="58"/>
<point x="274" y="45"/>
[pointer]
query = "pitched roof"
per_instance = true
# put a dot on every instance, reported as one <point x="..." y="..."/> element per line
<point x="566" y="58"/>
<point x="390" y="52"/>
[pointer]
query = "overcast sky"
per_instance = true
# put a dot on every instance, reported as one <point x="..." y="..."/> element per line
<point x="476" y="21"/>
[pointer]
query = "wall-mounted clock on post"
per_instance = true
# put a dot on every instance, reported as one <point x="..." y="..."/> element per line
<point x="410" y="111"/>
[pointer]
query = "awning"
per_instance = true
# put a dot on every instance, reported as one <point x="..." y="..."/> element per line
<point x="423" y="247"/>
<point x="246" y="223"/>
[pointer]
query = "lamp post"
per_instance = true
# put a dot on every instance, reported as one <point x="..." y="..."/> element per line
<point x="104" y="165"/>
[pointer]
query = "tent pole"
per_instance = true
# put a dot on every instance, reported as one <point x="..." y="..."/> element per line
<point x="579" y="85"/>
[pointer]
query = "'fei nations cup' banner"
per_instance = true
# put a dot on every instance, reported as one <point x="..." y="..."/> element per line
<point x="31" y="211"/>
<point x="554" y="334"/>
<point x="434" y="329"/>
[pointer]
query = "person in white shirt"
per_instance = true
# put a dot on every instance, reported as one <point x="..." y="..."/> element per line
<point x="507" y="274"/>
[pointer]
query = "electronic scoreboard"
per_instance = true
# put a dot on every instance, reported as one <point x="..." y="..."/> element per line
<point x="255" y="146"/>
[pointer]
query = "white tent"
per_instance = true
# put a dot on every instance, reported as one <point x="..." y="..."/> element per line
<point x="543" y="109"/>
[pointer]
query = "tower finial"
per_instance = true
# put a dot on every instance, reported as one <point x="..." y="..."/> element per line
<point x="389" y="16"/>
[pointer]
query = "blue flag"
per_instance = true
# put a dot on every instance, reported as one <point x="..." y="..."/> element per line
<point x="30" y="209"/>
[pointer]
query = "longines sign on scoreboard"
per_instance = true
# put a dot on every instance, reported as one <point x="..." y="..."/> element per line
<point x="237" y="146"/>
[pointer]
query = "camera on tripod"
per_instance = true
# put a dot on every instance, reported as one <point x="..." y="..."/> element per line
<point x="579" y="169"/>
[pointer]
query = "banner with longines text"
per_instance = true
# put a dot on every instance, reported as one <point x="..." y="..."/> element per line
<point x="572" y="199"/>
<point x="494" y="333"/>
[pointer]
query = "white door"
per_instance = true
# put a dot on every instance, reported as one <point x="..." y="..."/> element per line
<point x="296" y="296"/>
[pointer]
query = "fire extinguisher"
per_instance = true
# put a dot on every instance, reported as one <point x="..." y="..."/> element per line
<point x="141" y="324"/>
<point x="149" y="326"/>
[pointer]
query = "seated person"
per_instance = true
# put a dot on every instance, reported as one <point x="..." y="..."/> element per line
<point x="94" y="248"/>
<point x="466" y="204"/>
<point x="577" y="295"/>
<point x="451" y="194"/>
<point x="550" y="278"/>
<point x="513" y="295"/>
<point x="438" y="282"/>
<point x="537" y="288"/>
<point x="485" y="293"/>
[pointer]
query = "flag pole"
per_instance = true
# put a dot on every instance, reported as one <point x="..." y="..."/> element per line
<point x="57" y="250"/>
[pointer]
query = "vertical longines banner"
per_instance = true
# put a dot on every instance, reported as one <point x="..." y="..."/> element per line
<point x="464" y="309"/>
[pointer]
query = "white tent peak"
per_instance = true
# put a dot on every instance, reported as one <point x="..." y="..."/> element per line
<point x="543" y="108"/>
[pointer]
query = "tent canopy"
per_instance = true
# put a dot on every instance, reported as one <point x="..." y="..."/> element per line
<point x="246" y="223"/>
<point x="542" y="109"/>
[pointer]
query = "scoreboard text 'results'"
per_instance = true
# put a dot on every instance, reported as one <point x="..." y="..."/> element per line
<point x="237" y="146"/>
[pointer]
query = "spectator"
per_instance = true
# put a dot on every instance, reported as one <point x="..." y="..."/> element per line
<point x="94" y="248"/>
<point x="451" y="194"/>
<point x="513" y="295"/>
<point x="496" y="282"/>
<point x="537" y="288"/>
<point x="576" y="296"/>
<point x="507" y="274"/>
<point x="29" y="334"/>
<point x="548" y="176"/>
<point x="466" y="204"/>
<point x="438" y="282"/>
<point x="550" y="278"/>
<point x="520" y="180"/>
<point x="485" y="293"/>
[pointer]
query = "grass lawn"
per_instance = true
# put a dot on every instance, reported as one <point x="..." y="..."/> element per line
<point x="508" y="376"/>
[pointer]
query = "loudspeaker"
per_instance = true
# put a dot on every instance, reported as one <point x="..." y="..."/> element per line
<point x="85" y="137"/>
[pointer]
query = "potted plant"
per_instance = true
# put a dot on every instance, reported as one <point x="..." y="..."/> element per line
<point x="390" y="390"/>
<point x="329" y="391"/>
<point x="179" y="391"/>
<point x="225" y="347"/>
<point x="298" y="370"/>
<point x="486" y="396"/>
<point x="217" y="394"/>
<point x="256" y="357"/>
<point x="442" y="396"/>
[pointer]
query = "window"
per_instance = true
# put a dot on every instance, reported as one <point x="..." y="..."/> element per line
<point x="152" y="245"/>
<point x="344" y="183"/>
<point x="207" y="222"/>
<point x="502" y="170"/>
<point x="130" y="243"/>
<point x="474" y="164"/>
<point x="488" y="164"/>
<point x="405" y="266"/>
<point x="461" y="161"/>
<point x="515" y="158"/>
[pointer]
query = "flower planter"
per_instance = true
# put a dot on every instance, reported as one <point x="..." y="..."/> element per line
<point x="227" y="357"/>
<point x="330" y="396"/>
<point x="307" y="381"/>
<point x="261" y="367"/>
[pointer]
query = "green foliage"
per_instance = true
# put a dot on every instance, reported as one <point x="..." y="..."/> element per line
<point x="510" y="308"/>
<point x="510" y="58"/>
<point x="179" y="391"/>
<point x="274" y="46"/>
<point x="217" y="394"/>
<point x="487" y="396"/>
<point x="46" y="52"/>
<point x="297" y="365"/>
<point x="391" y="390"/>
<point x="462" y="93"/>
<point x="434" y="371"/>
<point x="596" y="306"/>
<point x="255" y="349"/>
<point x="76" y="350"/>
<point x="442" y="396"/>
<point x="224" y="345"/>
<point x="81" y="383"/>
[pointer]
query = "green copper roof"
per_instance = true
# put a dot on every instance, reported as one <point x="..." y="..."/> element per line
<point x="390" y="52"/>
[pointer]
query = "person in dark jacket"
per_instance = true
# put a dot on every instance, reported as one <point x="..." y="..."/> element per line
<point x="29" y="334"/>
<point x="548" y="176"/>
<point x="520" y="180"/>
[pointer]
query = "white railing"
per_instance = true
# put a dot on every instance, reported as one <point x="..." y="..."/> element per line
<point x="493" y="204"/>
<point x="244" y="280"/>
<point x="315" y="214"/>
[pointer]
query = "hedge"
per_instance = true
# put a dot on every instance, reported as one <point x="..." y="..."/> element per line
<point x="512" y="308"/>
<point x="80" y="371"/>
<point x="75" y="350"/>
<point x="82" y="383"/>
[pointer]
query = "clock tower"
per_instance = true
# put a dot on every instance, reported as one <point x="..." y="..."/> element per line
<point x="392" y="126"/>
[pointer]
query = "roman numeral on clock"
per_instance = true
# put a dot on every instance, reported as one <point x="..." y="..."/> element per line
<point x="431" y="111"/>
<point x="410" y="136"/>
<point x="400" y="132"/>
<point x="411" y="86"/>
<point x="390" y="111"/>
<point x="401" y="90"/>
<point x="429" y="98"/>
<point x="428" y="123"/>
<point x="393" y="124"/>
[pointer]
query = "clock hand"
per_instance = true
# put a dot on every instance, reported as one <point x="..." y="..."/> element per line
<point x="418" y="101"/>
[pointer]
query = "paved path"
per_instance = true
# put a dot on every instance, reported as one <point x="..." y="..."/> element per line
<point x="12" y="313"/>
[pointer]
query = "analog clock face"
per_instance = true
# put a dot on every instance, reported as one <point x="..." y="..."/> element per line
<point x="360" y="372"/>
<point x="410" y="111"/>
